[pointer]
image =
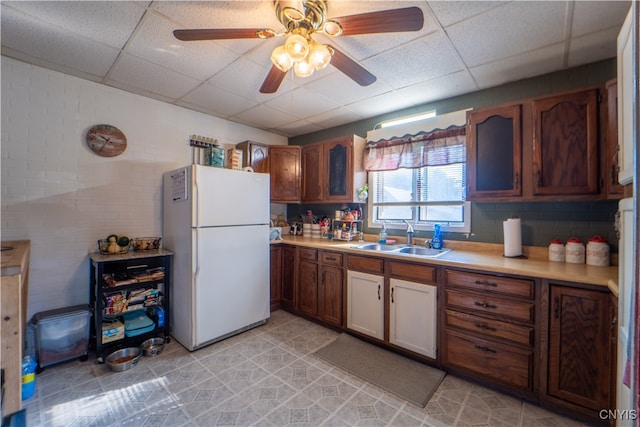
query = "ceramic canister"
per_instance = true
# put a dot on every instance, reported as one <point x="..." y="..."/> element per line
<point x="598" y="251"/>
<point x="556" y="250"/>
<point x="574" y="251"/>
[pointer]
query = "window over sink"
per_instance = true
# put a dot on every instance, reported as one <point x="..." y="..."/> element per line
<point x="419" y="177"/>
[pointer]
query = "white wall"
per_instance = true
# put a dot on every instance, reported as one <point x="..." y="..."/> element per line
<point x="60" y="195"/>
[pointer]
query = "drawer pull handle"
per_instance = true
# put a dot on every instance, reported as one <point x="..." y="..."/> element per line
<point x="485" y="305"/>
<point x="392" y="301"/>
<point x="486" y="283"/>
<point x="378" y="292"/>
<point x="133" y="267"/>
<point x="485" y="327"/>
<point x="330" y="258"/>
<point x="556" y="308"/>
<point x="485" y="349"/>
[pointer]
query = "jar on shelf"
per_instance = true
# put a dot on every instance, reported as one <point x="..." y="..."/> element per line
<point x="574" y="251"/>
<point x="556" y="250"/>
<point x="597" y="251"/>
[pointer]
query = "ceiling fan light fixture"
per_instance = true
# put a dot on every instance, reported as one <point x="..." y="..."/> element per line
<point x="332" y="28"/>
<point x="297" y="47"/>
<point x="319" y="56"/>
<point x="303" y="69"/>
<point x="281" y="59"/>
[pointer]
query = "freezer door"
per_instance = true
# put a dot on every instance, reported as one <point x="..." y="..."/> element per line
<point x="229" y="197"/>
<point x="231" y="280"/>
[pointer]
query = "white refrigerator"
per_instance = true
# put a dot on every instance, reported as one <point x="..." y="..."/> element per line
<point x="216" y="222"/>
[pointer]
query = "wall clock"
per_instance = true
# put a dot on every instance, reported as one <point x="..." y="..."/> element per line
<point x="106" y="140"/>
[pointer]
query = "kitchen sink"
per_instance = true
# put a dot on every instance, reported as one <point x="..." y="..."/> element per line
<point x="421" y="251"/>
<point x="376" y="247"/>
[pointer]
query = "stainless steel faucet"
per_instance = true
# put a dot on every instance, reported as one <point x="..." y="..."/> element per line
<point x="409" y="233"/>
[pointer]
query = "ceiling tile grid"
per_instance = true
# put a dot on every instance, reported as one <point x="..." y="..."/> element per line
<point x="462" y="47"/>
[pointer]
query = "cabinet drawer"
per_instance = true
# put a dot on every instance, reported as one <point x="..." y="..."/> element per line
<point x="418" y="272"/>
<point x="486" y="282"/>
<point x="491" y="327"/>
<point x="308" y="254"/>
<point x="368" y="265"/>
<point x="500" y="362"/>
<point x="331" y="258"/>
<point x="518" y="310"/>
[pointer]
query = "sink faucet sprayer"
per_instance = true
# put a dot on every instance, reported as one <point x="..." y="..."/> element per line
<point x="409" y="233"/>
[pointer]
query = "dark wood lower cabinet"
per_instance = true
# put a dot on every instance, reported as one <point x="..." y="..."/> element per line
<point x="288" y="276"/>
<point x="579" y="355"/>
<point x="276" y="276"/>
<point x="307" y="288"/>
<point x="330" y="295"/>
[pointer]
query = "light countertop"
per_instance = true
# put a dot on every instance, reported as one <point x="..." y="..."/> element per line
<point x="483" y="257"/>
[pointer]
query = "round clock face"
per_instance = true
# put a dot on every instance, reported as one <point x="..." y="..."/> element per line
<point x="106" y="140"/>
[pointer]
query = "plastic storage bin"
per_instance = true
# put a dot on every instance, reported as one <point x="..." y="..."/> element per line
<point x="62" y="334"/>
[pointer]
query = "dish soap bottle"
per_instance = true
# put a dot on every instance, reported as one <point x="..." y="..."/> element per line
<point x="382" y="237"/>
<point x="436" y="241"/>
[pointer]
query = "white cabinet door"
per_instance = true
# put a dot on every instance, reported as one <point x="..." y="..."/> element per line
<point x="626" y="107"/>
<point x="365" y="303"/>
<point x="412" y="317"/>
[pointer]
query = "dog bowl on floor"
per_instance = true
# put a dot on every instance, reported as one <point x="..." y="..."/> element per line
<point x="123" y="359"/>
<point x="153" y="346"/>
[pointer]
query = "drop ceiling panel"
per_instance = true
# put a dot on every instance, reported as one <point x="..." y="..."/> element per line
<point x="584" y="50"/>
<point x="502" y="32"/>
<point x="592" y="18"/>
<point x="451" y="12"/>
<point x="424" y="59"/>
<point x="248" y="86"/>
<point x="132" y="71"/>
<point x="533" y="63"/>
<point x="107" y="22"/>
<point x="216" y="101"/>
<point x="155" y="42"/>
<point x="53" y="45"/>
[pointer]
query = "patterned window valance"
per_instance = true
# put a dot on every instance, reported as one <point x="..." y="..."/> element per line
<point x="434" y="148"/>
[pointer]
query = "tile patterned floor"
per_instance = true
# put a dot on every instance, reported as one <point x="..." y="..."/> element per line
<point x="267" y="376"/>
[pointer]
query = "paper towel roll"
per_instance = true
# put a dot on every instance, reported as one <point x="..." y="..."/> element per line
<point x="512" y="237"/>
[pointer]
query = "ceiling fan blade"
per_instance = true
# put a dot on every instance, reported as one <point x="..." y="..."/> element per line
<point x="351" y="68"/>
<point x="273" y="80"/>
<point x="216" y="34"/>
<point x="385" y="21"/>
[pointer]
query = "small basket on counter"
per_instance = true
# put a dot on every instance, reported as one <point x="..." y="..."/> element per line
<point x="103" y="248"/>
<point x="146" y="243"/>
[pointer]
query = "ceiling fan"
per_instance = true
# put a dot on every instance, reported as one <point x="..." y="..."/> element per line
<point x="301" y="19"/>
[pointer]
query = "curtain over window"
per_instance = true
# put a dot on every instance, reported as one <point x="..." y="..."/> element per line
<point x="434" y="148"/>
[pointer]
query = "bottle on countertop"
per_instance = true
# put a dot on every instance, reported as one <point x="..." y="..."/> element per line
<point x="436" y="241"/>
<point x="382" y="237"/>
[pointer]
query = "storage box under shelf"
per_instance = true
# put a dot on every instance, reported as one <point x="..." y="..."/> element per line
<point x="62" y="334"/>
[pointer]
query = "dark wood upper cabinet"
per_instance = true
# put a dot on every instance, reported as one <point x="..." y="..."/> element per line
<point x="565" y="144"/>
<point x="284" y="167"/>
<point x="255" y="155"/>
<point x="332" y="170"/>
<point x="312" y="159"/>
<point x="494" y="152"/>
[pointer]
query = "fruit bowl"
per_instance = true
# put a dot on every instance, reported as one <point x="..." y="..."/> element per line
<point x="103" y="248"/>
<point x="146" y="243"/>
